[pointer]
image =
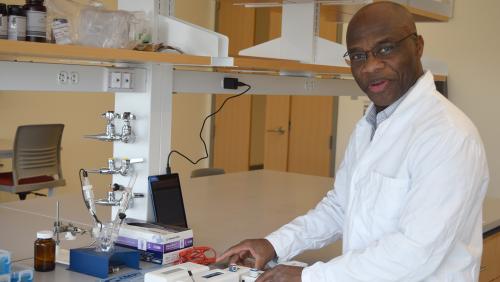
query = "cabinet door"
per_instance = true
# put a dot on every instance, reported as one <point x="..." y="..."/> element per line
<point x="277" y="133"/>
<point x="311" y="134"/>
<point x="232" y="134"/>
<point x="490" y="260"/>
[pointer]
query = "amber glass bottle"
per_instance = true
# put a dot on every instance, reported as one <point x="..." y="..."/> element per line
<point x="36" y="16"/>
<point x="45" y="251"/>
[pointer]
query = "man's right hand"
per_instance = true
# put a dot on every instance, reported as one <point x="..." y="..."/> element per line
<point x="260" y="249"/>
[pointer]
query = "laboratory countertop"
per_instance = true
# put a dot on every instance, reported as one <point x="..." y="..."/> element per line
<point x="221" y="210"/>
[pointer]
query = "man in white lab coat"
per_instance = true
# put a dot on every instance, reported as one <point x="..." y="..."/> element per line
<point x="407" y="199"/>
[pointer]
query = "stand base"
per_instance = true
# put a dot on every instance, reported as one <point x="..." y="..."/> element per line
<point x="98" y="264"/>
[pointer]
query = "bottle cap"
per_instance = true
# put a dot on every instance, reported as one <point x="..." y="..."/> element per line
<point x="3" y="9"/>
<point x="15" y="10"/>
<point x="45" y="234"/>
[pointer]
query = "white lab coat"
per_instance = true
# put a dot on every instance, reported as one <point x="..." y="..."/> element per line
<point x="408" y="204"/>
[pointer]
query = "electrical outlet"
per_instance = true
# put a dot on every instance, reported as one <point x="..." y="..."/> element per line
<point x="74" y="78"/>
<point x="63" y="77"/>
<point x="310" y="85"/>
<point x="116" y="80"/>
<point x="126" y="80"/>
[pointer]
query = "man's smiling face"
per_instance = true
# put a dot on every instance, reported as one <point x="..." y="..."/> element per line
<point x="393" y="51"/>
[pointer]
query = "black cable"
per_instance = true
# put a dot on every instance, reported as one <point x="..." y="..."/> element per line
<point x="80" y="172"/>
<point x="202" y="127"/>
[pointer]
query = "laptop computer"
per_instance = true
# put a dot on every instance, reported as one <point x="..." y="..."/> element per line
<point x="168" y="204"/>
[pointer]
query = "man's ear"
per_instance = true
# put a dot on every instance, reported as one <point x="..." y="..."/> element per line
<point x="420" y="46"/>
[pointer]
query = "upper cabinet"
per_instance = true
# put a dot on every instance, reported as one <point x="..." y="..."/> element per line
<point x="423" y="10"/>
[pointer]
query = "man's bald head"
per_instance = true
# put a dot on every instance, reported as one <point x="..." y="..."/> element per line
<point x="385" y="51"/>
<point x="388" y="15"/>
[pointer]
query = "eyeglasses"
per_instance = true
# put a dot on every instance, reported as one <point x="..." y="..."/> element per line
<point x="380" y="51"/>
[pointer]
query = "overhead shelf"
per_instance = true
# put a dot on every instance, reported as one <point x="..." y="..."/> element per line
<point x="23" y="50"/>
<point x="422" y="10"/>
<point x="31" y="51"/>
<point x="46" y="52"/>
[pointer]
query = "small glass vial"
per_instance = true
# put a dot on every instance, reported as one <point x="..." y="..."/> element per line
<point x="17" y="23"/>
<point x="4" y="19"/>
<point x="36" y="16"/>
<point x="45" y="251"/>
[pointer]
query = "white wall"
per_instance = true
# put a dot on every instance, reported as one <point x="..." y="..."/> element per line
<point x="469" y="43"/>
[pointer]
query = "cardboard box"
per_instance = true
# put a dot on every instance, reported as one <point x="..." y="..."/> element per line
<point x="156" y="244"/>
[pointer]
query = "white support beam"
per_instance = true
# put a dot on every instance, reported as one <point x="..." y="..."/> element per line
<point x="152" y="128"/>
<point x="211" y="82"/>
<point x="153" y="112"/>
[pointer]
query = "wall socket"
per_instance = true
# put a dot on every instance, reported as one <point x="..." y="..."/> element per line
<point x="74" y="77"/>
<point x="64" y="77"/>
<point x="120" y="80"/>
<point x="310" y="85"/>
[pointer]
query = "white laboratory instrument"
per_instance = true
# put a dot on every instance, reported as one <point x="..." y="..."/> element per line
<point x="216" y="275"/>
<point x="192" y="272"/>
<point x="176" y="273"/>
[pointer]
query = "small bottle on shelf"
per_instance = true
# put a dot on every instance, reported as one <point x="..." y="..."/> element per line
<point x="36" y="15"/>
<point x="4" y="17"/>
<point x="16" y="23"/>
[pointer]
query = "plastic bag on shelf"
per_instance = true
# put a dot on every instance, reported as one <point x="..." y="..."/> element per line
<point x="89" y="23"/>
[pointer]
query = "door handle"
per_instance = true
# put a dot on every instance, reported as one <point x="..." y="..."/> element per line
<point x="278" y="130"/>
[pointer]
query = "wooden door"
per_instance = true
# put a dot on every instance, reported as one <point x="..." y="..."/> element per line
<point x="231" y="147"/>
<point x="277" y="133"/>
<point x="311" y="127"/>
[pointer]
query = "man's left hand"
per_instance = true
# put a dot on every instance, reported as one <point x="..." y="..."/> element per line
<point x="282" y="273"/>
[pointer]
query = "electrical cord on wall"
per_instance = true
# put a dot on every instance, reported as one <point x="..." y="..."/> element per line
<point x="228" y="83"/>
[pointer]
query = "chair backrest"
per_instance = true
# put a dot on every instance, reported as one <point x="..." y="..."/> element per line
<point x="37" y="151"/>
<point x="206" y="172"/>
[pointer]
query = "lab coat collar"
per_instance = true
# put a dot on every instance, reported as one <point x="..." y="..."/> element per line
<point x="424" y="86"/>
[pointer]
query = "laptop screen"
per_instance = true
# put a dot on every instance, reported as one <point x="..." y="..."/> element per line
<point x="168" y="205"/>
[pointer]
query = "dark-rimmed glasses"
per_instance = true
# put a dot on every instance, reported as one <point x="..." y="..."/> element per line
<point x="380" y="51"/>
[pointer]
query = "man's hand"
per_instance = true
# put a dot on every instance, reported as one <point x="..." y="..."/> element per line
<point x="260" y="249"/>
<point x="282" y="273"/>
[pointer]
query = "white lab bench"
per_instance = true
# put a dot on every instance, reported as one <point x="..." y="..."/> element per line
<point x="221" y="210"/>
